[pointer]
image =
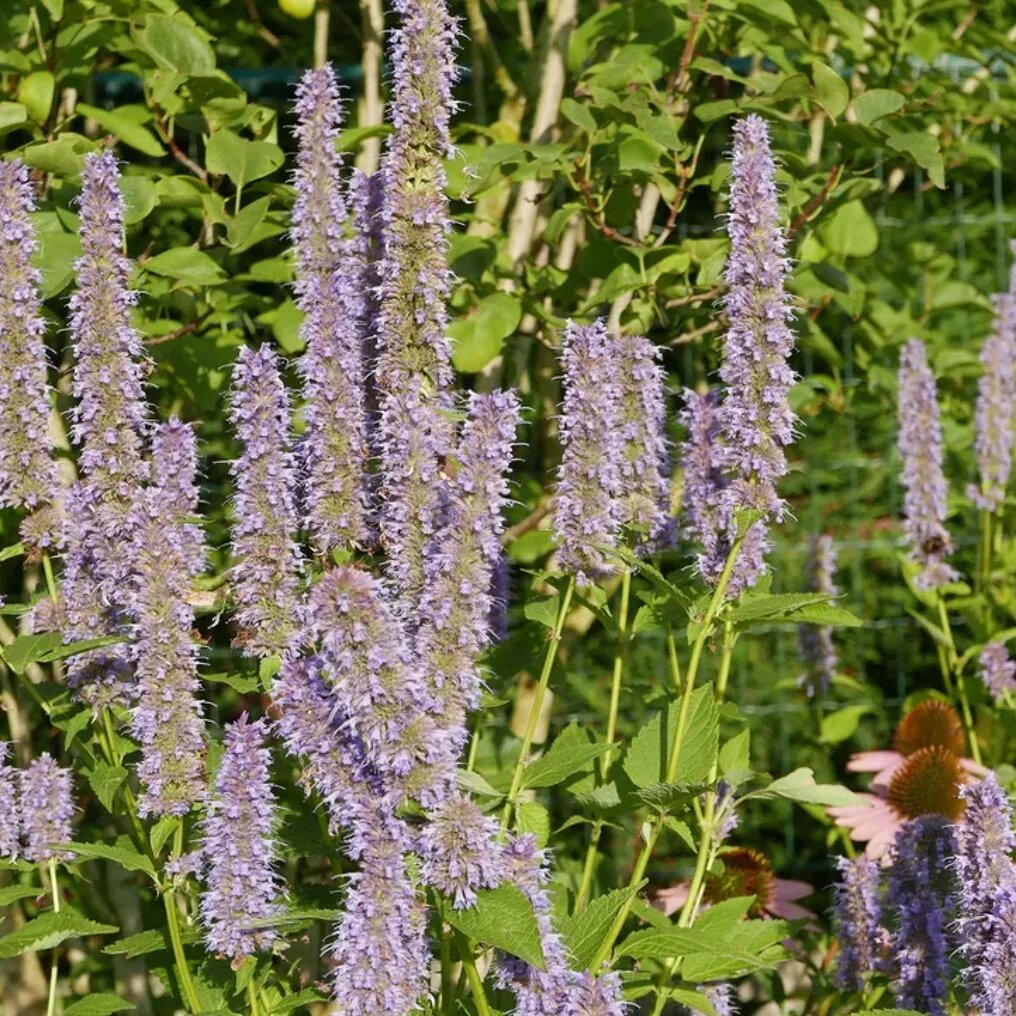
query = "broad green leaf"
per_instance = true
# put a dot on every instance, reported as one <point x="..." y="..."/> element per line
<point x="11" y="893"/>
<point x="152" y="940"/>
<point x="176" y="45"/>
<point x="300" y="1000"/>
<point x="578" y="114"/>
<point x="97" y="1004"/>
<point x="49" y="930"/>
<point x="106" y="780"/>
<point x="139" y="196"/>
<point x="875" y="103"/>
<point x="241" y="160"/>
<point x="666" y="796"/>
<point x="543" y="610"/>
<point x="502" y="918"/>
<point x="735" y="755"/>
<point x="161" y="832"/>
<point x="840" y="725"/>
<point x="532" y="817"/>
<point x="131" y="133"/>
<point x="832" y="91"/>
<point x="850" y="231"/>
<point x="12" y="114"/>
<point x="122" y="853"/>
<point x="800" y="786"/>
<point x="924" y="149"/>
<point x="54" y="257"/>
<point x="566" y="756"/>
<point x="55" y="8"/>
<point x="26" y="649"/>
<point x="35" y="93"/>
<point x="479" y="337"/>
<point x="63" y="157"/>
<point x="585" y="932"/>
<point x="187" y="264"/>
<point x="783" y="608"/>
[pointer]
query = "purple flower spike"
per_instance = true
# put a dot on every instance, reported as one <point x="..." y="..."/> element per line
<point x="645" y="457"/>
<point x="456" y="603"/>
<point x="10" y="824"/>
<point x="925" y="490"/>
<point x="998" y="671"/>
<point x="366" y="201"/>
<point x="815" y="642"/>
<point x="167" y="719"/>
<point x="917" y="893"/>
<point x="996" y="404"/>
<point x="266" y="576"/>
<point x="721" y="996"/>
<point x="589" y="479"/>
<point x="986" y="898"/>
<point x="175" y="472"/>
<point x="28" y="473"/>
<point x="459" y="851"/>
<point x="329" y="292"/>
<point x="381" y="960"/>
<point x="858" y="922"/>
<point x="239" y="846"/>
<point x="46" y="809"/>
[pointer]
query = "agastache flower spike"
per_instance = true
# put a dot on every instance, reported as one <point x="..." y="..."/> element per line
<point x="925" y="490"/>
<point x="456" y="603"/>
<point x="329" y="293"/>
<point x="109" y="425"/>
<point x="28" y="472"/>
<point x="46" y="809"/>
<point x="917" y="893"/>
<point x="366" y="200"/>
<point x="998" y="671"/>
<point x="167" y="719"/>
<point x="815" y="642"/>
<point x="266" y="576"/>
<point x="858" y="919"/>
<point x="996" y="404"/>
<point x="239" y="846"/>
<point x="645" y="459"/>
<point x="10" y="824"/>
<point x="381" y="960"/>
<point x="589" y="479"/>
<point x="755" y="417"/>
<point x="175" y="471"/>
<point x="986" y="898"/>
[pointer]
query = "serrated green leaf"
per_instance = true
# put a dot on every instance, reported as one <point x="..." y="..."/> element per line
<point x="585" y="932"/>
<point x="533" y="818"/>
<point x="560" y="762"/>
<point x="543" y="610"/>
<point x="140" y="944"/>
<point x="735" y="755"/>
<point x="98" y="1004"/>
<point x="121" y="853"/>
<point x="666" y="796"/>
<point x="49" y="930"/>
<point x="161" y="832"/>
<point x="502" y="918"/>
<point x="12" y="893"/>
<point x="106" y="780"/>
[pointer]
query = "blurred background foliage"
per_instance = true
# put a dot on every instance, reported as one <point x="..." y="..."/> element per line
<point x="590" y="179"/>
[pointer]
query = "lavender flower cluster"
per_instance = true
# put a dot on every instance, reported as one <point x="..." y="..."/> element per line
<point x="942" y="911"/>
<point x="36" y="809"/>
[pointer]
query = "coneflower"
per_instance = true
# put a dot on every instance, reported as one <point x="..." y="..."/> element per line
<point x="755" y="418"/>
<point x="28" y="473"/>
<point x="986" y="898"/>
<point x="45" y="809"/>
<point x="167" y="550"/>
<point x="266" y="575"/>
<point x="329" y="292"/>
<point x="589" y="482"/>
<point x="10" y="823"/>
<point x="239" y="846"/>
<point x="924" y="484"/>
<point x="858" y="921"/>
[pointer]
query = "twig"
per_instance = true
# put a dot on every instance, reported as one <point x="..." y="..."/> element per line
<point x="818" y="200"/>
<point x="530" y="522"/>
<point x="687" y="337"/>
<point x="683" y="301"/>
<point x="191" y="326"/>
<point x="596" y="216"/>
<point x="174" y="149"/>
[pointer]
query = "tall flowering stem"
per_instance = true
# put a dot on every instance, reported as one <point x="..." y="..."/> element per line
<point x="239" y="846"/>
<point x="110" y="426"/>
<point x="10" y="822"/>
<point x="28" y="473"/>
<point x="366" y="202"/>
<point x="266" y="575"/>
<point x="330" y="294"/>
<point x="589" y="481"/>
<point x="413" y="367"/>
<point x="815" y="642"/>
<point x="168" y="553"/>
<point x="985" y="890"/>
<point x="45" y="809"/>
<point x="858" y="921"/>
<point x="755" y="416"/>
<point x="918" y="893"/>
<point x="924" y="483"/>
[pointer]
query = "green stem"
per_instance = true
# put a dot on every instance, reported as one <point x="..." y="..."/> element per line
<point x="55" y="956"/>
<point x="252" y="998"/>
<point x="952" y="660"/>
<point x="537" y="705"/>
<point x="620" y="656"/>
<point x="190" y="997"/>
<point x="473" y="977"/>
<point x="47" y="568"/>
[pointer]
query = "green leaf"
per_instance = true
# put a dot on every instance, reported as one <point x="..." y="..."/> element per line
<point x="152" y="940"/>
<point x="12" y="114"/>
<point x="176" y="45"/>
<point x="924" y="149"/>
<point x="190" y="266"/>
<point x="532" y="817"/>
<point x="585" y="932"/>
<point x="544" y="610"/>
<point x="98" y="1004"/>
<point x="241" y="160"/>
<point x="35" y="93"/>
<point x="123" y="854"/>
<point x="876" y="103"/>
<point x="130" y="132"/>
<point x="502" y="918"/>
<point x="832" y="91"/>
<point x="800" y="786"/>
<point x="55" y="8"/>
<point x="54" y="257"/>
<point x="11" y="893"/>
<point x="665" y="797"/>
<point x="787" y="608"/>
<point x="26" y="649"/>
<point x="578" y="114"/>
<point x="565" y="758"/>
<point x="49" y="930"/>
<point x="106" y="780"/>
<point x="139" y="196"/>
<point x="63" y="157"/>
<point x="735" y="755"/>
<point x="840" y="725"/>
<point x="161" y="832"/>
<point x="850" y="231"/>
<point x="479" y="337"/>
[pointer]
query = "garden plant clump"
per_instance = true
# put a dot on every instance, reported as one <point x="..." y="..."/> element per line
<point x="405" y="516"/>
